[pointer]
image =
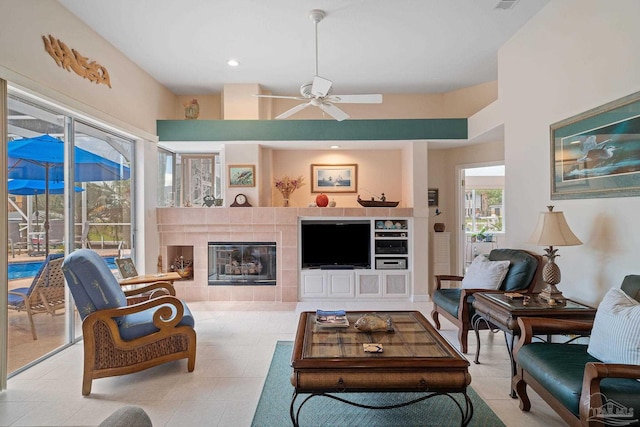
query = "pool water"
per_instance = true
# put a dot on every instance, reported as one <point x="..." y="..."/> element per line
<point x="21" y="270"/>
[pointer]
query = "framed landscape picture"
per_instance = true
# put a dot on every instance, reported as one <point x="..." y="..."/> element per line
<point x="242" y="176"/>
<point x="597" y="153"/>
<point x="334" y="178"/>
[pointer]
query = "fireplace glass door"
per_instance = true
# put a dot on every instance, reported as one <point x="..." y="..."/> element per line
<point x="242" y="263"/>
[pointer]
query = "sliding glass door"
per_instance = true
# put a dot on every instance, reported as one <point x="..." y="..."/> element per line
<point x="48" y="216"/>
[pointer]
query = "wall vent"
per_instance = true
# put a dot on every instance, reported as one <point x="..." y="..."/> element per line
<point x="506" y="4"/>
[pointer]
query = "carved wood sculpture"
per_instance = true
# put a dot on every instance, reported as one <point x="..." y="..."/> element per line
<point x="70" y="59"/>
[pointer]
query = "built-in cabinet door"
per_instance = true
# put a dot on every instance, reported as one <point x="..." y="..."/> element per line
<point x="341" y="284"/>
<point x="368" y="284"/>
<point x="396" y="284"/>
<point x="313" y="284"/>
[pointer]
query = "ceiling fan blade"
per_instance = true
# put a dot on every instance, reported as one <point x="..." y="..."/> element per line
<point x="333" y="111"/>
<point x="357" y="99"/>
<point x="294" y="110"/>
<point x="321" y="87"/>
<point x="298" y="98"/>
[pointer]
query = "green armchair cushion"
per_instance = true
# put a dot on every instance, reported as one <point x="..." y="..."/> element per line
<point x="559" y="368"/>
<point x="521" y="270"/>
<point x="449" y="299"/>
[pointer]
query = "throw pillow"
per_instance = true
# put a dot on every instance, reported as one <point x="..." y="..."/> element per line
<point x="485" y="274"/>
<point x="615" y="336"/>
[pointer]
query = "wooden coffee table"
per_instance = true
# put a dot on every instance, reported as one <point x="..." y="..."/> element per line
<point x="415" y="358"/>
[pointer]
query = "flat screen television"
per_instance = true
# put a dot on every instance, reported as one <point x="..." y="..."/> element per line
<point x="336" y="244"/>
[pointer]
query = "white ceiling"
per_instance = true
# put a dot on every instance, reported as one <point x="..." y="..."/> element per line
<point x="365" y="46"/>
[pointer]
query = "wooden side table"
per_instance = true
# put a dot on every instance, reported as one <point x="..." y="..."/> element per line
<point x="501" y="312"/>
<point x="147" y="279"/>
<point x="170" y="277"/>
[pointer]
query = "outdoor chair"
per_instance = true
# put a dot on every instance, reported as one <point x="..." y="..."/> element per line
<point x="119" y="338"/>
<point x="46" y="293"/>
<point x="456" y="304"/>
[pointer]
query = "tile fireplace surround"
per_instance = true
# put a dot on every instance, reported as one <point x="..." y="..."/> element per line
<point x="197" y="226"/>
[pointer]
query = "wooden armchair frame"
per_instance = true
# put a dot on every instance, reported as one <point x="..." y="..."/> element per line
<point x="593" y="374"/>
<point x="107" y="354"/>
<point x="463" y="321"/>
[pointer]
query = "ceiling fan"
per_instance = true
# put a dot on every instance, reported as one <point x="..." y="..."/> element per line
<point x="318" y="92"/>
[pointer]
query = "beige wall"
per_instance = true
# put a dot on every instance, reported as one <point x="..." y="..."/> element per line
<point x="373" y="174"/>
<point x="237" y="102"/>
<point x="573" y="56"/>
<point x="444" y="170"/>
<point x="134" y="102"/>
<point x="461" y="103"/>
<point x="210" y="106"/>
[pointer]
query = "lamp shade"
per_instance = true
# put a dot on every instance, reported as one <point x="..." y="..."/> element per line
<point x="552" y="230"/>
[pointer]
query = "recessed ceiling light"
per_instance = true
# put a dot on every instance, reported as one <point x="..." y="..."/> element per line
<point x="233" y="63"/>
<point x="335" y="147"/>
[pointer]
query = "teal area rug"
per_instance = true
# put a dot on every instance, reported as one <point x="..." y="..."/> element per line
<point x="320" y="411"/>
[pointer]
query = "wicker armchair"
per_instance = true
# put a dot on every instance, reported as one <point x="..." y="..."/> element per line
<point x="119" y="338"/>
<point x="45" y="295"/>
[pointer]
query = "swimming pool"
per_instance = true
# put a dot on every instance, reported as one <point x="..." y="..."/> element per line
<point x="21" y="270"/>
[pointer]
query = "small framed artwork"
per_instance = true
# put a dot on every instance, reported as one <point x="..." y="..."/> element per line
<point x="242" y="175"/>
<point x="334" y="178"/>
<point x="597" y="153"/>
<point x="126" y="267"/>
<point x="433" y="197"/>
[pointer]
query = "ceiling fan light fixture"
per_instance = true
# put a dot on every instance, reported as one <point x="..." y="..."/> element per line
<point x="318" y="93"/>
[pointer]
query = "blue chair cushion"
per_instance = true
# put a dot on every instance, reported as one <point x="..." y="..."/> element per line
<point x="15" y="300"/>
<point x="559" y="368"/>
<point x="91" y="282"/>
<point x="522" y="268"/>
<point x="448" y="299"/>
<point x="140" y="324"/>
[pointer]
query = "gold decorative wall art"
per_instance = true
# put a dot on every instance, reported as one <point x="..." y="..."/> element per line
<point x="70" y="59"/>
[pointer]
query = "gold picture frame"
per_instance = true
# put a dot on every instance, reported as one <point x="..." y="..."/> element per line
<point x="242" y="175"/>
<point x="339" y="178"/>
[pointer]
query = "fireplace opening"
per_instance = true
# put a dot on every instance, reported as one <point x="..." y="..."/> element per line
<point x="242" y="263"/>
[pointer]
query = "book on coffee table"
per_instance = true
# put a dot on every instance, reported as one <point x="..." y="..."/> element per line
<point x="332" y="319"/>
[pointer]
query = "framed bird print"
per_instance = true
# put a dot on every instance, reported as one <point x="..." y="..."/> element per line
<point x="597" y="153"/>
<point x="242" y="175"/>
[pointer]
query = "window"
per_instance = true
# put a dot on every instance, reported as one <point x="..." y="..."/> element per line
<point x="484" y="200"/>
<point x="200" y="177"/>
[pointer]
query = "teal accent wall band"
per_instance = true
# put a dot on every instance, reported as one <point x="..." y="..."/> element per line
<point x="311" y="130"/>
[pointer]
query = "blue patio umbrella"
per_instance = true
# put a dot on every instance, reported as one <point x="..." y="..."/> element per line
<point x="33" y="187"/>
<point x="42" y="158"/>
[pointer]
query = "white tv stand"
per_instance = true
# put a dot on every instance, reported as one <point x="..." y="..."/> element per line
<point x="389" y="276"/>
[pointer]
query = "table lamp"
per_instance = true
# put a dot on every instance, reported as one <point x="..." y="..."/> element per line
<point x="552" y="230"/>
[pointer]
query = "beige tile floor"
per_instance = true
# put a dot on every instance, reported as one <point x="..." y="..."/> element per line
<point x="235" y="345"/>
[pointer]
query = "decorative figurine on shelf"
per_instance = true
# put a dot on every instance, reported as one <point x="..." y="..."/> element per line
<point x="159" y="264"/>
<point x="184" y="267"/>
<point x="191" y="109"/>
<point x="438" y="227"/>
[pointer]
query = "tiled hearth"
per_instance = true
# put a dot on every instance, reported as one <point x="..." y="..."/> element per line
<point x="197" y="226"/>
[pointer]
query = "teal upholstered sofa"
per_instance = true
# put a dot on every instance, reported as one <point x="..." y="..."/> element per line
<point x="455" y="304"/>
<point x="570" y="380"/>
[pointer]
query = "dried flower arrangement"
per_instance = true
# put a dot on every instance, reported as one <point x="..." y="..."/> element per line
<point x="287" y="185"/>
